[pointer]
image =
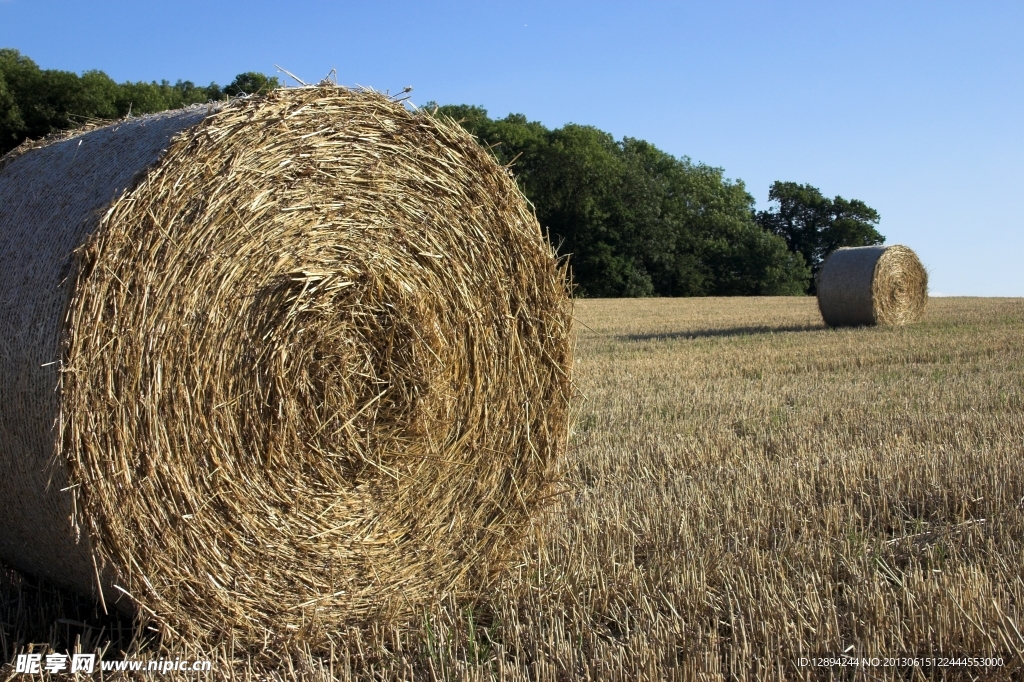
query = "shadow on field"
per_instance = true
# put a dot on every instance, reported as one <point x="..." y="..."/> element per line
<point x="710" y="333"/>
<point x="39" y="616"/>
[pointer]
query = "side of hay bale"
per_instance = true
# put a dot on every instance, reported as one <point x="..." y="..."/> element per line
<point x="51" y="198"/>
<point x="872" y="285"/>
<point x="313" y="371"/>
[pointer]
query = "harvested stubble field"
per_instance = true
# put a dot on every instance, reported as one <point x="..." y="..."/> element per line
<point x="745" y="487"/>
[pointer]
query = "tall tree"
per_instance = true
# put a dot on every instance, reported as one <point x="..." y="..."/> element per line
<point x="251" y="83"/>
<point x="814" y="225"/>
<point x="633" y="220"/>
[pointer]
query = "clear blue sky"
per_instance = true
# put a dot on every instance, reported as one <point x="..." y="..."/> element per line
<point x="916" y="108"/>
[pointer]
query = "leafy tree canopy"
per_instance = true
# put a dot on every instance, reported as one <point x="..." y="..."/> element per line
<point x="251" y="83"/>
<point x="814" y="225"/>
<point x="35" y="102"/>
<point x="633" y="220"/>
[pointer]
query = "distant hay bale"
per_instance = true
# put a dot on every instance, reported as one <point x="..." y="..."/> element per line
<point x="867" y="285"/>
<point x="274" y="367"/>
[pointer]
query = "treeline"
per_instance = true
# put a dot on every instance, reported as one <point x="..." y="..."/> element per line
<point x="640" y="222"/>
<point x="35" y="102"/>
<point x="633" y="220"/>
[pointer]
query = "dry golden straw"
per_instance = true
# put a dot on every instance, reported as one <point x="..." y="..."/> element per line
<point x="275" y="367"/>
<point x="868" y="285"/>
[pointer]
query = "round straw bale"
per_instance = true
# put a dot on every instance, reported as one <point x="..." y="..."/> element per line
<point x="868" y="285"/>
<point x="274" y="366"/>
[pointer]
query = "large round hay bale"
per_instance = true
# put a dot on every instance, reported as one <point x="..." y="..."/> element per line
<point x="868" y="285"/>
<point x="274" y="366"/>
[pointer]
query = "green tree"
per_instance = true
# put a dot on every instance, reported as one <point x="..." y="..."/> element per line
<point x="39" y="102"/>
<point x="633" y="220"/>
<point x="187" y="92"/>
<point x="738" y="256"/>
<point x="582" y="190"/>
<point x="148" y="98"/>
<point x="35" y="102"/>
<point x="814" y="225"/>
<point x="251" y="83"/>
<point x="12" y="125"/>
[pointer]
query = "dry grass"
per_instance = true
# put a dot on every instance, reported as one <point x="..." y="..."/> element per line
<point x="747" y="486"/>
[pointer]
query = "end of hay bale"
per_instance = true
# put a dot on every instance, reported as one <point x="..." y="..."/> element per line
<point x="872" y="285"/>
